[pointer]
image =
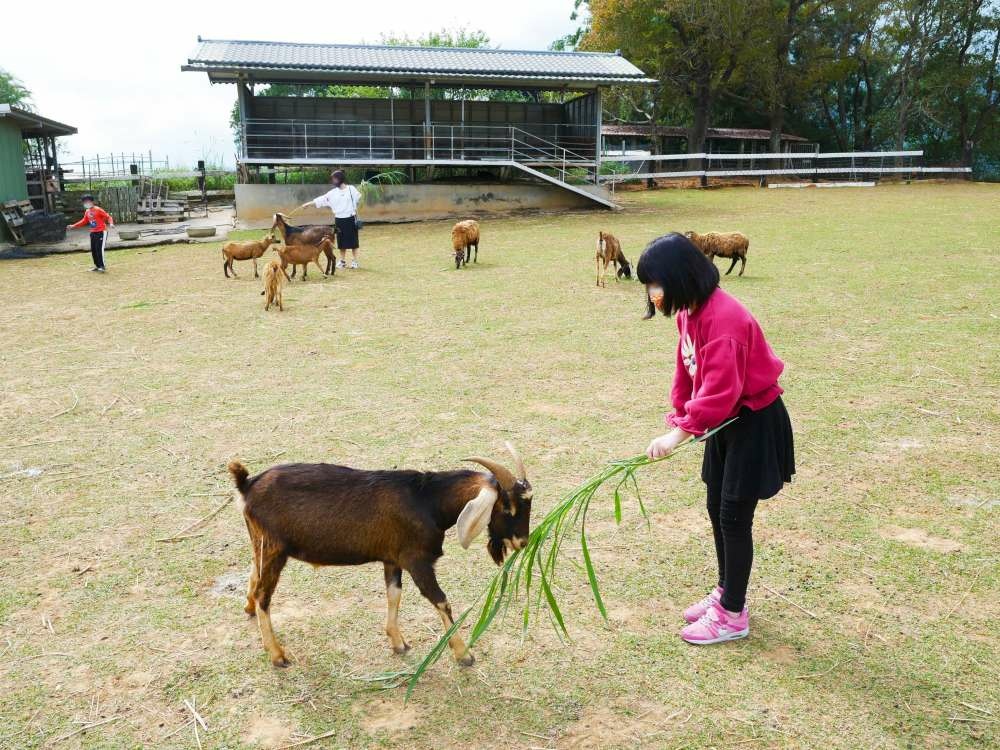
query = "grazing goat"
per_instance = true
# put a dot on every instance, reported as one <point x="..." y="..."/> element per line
<point x="274" y="280"/>
<point x="302" y="255"/>
<point x="609" y="250"/>
<point x="465" y="238"/>
<point x="245" y="251"/>
<point x="733" y="245"/>
<point x="325" y="514"/>
<point x="310" y="234"/>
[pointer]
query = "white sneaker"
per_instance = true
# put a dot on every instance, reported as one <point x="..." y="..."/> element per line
<point x="341" y="264"/>
<point x="354" y="264"/>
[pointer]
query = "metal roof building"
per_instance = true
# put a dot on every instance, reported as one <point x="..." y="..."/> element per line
<point x="229" y="61"/>
<point x="443" y="107"/>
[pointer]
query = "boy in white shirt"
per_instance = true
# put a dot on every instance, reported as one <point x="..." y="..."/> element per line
<point x="343" y="199"/>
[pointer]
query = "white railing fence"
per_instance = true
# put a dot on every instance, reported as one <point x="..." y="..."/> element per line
<point x="852" y="165"/>
<point x="557" y="147"/>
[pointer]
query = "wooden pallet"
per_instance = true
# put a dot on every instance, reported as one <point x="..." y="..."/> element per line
<point x="13" y="216"/>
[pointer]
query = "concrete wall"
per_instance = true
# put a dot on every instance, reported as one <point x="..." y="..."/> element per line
<point x="255" y="204"/>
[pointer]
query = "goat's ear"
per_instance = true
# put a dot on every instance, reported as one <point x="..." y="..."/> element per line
<point x="475" y="516"/>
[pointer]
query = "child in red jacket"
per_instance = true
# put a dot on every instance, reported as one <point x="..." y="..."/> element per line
<point x="98" y="220"/>
<point x="725" y="368"/>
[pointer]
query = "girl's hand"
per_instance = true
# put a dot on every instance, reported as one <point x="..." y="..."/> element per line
<point x="667" y="444"/>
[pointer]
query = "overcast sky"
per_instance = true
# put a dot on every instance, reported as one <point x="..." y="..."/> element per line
<point x="112" y="69"/>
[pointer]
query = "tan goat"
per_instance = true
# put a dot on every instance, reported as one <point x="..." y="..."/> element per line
<point x="609" y="250"/>
<point x="733" y="245"/>
<point x="274" y="280"/>
<point x="303" y="255"/>
<point x="465" y="238"/>
<point x="250" y="250"/>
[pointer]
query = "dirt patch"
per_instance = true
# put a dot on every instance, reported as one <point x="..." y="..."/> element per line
<point x="920" y="538"/>
<point x="388" y="716"/>
<point x="641" y="725"/>
<point x="781" y="655"/>
<point x="231" y="584"/>
<point x="266" y="731"/>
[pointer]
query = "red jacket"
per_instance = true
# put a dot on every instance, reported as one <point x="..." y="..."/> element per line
<point x="723" y="364"/>
<point x="97" y="218"/>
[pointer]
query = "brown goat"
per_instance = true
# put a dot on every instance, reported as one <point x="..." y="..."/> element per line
<point x="733" y="245"/>
<point x="309" y="234"/>
<point x="609" y="250"/>
<point x="465" y="238"/>
<point x="245" y="251"/>
<point x="325" y="514"/>
<point x="302" y="255"/>
<point x="274" y="279"/>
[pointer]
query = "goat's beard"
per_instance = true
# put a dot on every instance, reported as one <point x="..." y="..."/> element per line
<point x="497" y="549"/>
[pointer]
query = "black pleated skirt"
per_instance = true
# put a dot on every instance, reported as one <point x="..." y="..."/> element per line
<point x="752" y="458"/>
<point x="347" y="233"/>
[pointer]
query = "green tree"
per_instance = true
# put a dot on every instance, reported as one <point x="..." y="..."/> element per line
<point x="696" y="49"/>
<point x="13" y="92"/>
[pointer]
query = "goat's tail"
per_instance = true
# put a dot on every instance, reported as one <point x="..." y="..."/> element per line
<point x="240" y="475"/>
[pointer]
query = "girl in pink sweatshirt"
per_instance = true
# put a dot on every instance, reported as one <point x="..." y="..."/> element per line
<point x="725" y="368"/>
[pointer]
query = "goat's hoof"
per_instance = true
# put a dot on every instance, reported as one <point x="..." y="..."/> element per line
<point x="401" y="649"/>
<point x="467" y="661"/>
<point x="281" y="662"/>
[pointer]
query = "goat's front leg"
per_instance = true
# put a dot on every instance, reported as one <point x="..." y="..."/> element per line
<point x="423" y="575"/>
<point x="732" y="265"/>
<point x="393" y="594"/>
<point x="255" y="274"/>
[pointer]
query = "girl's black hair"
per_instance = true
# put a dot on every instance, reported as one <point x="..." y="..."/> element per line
<point x="686" y="276"/>
<point x="338" y="177"/>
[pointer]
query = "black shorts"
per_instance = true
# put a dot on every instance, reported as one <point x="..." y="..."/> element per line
<point x="347" y="233"/>
<point x="752" y="458"/>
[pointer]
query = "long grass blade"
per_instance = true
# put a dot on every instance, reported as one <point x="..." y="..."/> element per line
<point x="514" y="582"/>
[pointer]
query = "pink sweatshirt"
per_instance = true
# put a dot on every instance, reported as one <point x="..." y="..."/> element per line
<point x="723" y="364"/>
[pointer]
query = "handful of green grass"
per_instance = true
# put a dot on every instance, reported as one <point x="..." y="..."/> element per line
<point x="526" y="577"/>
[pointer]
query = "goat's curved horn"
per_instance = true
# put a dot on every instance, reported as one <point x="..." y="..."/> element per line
<point x="502" y="473"/>
<point x="518" y="462"/>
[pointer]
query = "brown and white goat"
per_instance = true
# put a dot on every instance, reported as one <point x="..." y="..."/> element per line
<point x="609" y="250"/>
<point x="308" y="234"/>
<point x="465" y="239"/>
<point x="245" y="251"/>
<point x="733" y="245"/>
<point x="325" y="514"/>
<point x="303" y="255"/>
<point x="274" y="279"/>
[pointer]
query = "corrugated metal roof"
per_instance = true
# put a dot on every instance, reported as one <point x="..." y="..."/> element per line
<point x="739" y="134"/>
<point x="33" y="125"/>
<point x="217" y="55"/>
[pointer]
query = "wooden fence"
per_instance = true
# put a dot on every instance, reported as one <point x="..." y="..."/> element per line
<point x="120" y="202"/>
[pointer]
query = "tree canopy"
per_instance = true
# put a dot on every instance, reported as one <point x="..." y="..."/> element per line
<point x="849" y="74"/>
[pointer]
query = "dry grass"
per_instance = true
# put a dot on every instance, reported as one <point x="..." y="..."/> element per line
<point x="130" y="391"/>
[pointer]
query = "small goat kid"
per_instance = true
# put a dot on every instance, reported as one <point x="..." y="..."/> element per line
<point x="733" y="245"/>
<point x="309" y="234"/>
<point x="303" y="255"/>
<point x="274" y="279"/>
<point x="245" y="251"/>
<point x="325" y="514"/>
<point x="609" y="250"/>
<point x="465" y="238"/>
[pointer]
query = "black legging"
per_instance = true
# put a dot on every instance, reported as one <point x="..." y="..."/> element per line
<point x="732" y="527"/>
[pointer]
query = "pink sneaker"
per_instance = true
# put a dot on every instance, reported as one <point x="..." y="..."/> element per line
<point x="717" y="626"/>
<point x="695" y="611"/>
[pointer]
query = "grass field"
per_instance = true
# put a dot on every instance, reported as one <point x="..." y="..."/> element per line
<point x="125" y="395"/>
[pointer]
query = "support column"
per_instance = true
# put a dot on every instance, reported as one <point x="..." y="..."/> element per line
<point x="599" y="122"/>
<point x="428" y="137"/>
<point x="242" y="96"/>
